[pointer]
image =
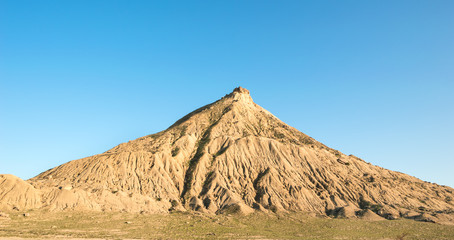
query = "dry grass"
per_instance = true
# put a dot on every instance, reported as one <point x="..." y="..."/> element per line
<point x="42" y="224"/>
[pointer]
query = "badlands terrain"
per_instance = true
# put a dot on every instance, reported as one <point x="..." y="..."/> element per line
<point x="228" y="166"/>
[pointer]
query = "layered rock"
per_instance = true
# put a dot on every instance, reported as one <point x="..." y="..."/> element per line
<point x="234" y="156"/>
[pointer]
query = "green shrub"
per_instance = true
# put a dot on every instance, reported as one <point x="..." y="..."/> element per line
<point x="175" y="151"/>
<point x="363" y="204"/>
<point x="279" y="135"/>
<point x="174" y="203"/>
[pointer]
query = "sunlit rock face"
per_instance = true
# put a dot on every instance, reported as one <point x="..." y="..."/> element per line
<point x="230" y="156"/>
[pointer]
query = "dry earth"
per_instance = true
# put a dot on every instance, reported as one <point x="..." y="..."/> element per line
<point x="41" y="224"/>
<point x="231" y="156"/>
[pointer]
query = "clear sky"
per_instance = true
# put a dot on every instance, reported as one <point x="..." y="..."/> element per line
<point x="370" y="78"/>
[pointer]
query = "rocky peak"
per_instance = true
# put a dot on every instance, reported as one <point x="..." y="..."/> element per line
<point x="241" y="94"/>
<point x="241" y="90"/>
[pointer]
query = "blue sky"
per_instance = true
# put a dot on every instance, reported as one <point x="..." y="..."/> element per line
<point x="370" y="78"/>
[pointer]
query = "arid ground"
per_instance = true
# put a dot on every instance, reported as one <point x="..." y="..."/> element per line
<point x="95" y="225"/>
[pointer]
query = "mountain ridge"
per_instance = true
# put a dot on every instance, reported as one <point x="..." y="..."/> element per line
<point x="234" y="156"/>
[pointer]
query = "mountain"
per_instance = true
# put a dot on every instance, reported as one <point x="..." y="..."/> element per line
<point x="230" y="156"/>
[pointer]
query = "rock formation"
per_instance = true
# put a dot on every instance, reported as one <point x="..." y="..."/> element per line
<point x="230" y="156"/>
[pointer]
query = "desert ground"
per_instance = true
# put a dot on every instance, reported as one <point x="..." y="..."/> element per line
<point x="40" y="224"/>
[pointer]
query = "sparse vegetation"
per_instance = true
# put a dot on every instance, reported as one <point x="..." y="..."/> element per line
<point x="220" y="152"/>
<point x="178" y="225"/>
<point x="208" y="178"/>
<point x="279" y="135"/>
<point x="194" y="161"/>
<point x="306" y="140"/>
<point x="245" y="133"/>
<point x="175" y="151"/>
<point x="343" y="162"/>
<point x="363" y="204"/>
<point x="183" y="130"/>
<point x="174" y="203"/>
<point x="401" y="236"/>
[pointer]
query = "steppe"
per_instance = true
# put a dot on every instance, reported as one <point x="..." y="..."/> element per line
<point x="193" y="225"/>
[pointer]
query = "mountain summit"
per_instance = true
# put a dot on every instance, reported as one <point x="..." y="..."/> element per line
<point x="230" y="156"/>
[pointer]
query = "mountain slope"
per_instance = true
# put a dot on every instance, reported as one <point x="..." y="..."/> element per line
<point x="233" y="155"/>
